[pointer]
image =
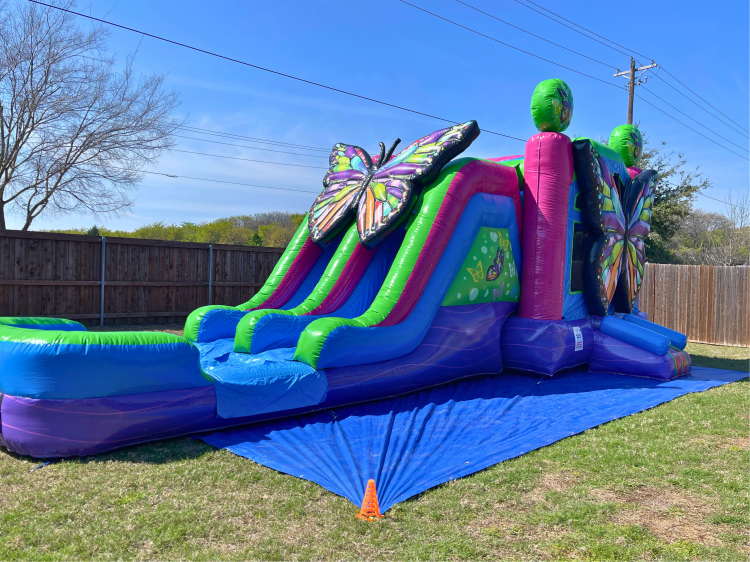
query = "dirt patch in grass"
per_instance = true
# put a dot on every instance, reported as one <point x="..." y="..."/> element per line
<point x="667" y="513"/>
<point x="501" y="527"/>
<point x="719" y="442"/>
<point x="560" y="481"/>
<point x="738" y="442"/>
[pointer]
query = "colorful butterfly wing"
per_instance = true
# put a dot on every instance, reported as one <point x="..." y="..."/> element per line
<point x="493" y="271"/>
<point x="639" y="200"/>
<point x="613" y="222"/>
<point x="422" y="160"/>
<point x="391" y="191"/>
<point x="342" y="188"/>
<point x="603" y="215"/>
<point x="381" y="205"/>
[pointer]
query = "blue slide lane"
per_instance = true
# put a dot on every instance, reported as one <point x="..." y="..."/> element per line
<point x="279" y="330"/>
<point x="314" y="276"/>
<point x="374" y="344"/>
<point x="220" y="323"/>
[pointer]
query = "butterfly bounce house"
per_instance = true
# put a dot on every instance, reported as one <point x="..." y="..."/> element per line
<point x="411" y="270"/>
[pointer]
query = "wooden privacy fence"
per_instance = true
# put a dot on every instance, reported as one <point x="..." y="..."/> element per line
<point x="48" y="274"/>
<point x="707" y="303"/>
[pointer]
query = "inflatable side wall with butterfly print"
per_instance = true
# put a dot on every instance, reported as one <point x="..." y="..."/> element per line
<point x="413" y="268"/>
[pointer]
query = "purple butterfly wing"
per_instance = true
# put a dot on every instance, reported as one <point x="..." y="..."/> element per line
<point x="342" y="187"/>
<point x="394" y="185"/>
<point x="381" y="205"/>
<point x="639" y="202"/>
<point x="603" y="215"/>
<point x="424" y="158"/>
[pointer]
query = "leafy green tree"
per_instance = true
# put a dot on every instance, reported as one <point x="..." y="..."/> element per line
<point x="262" y="229"/>
<point x="676" y="190"/>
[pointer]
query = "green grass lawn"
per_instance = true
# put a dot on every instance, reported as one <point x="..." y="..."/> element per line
<point x="671" y="483"/>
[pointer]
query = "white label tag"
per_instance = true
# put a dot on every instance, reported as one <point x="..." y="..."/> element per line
<point x="579" y="338"/>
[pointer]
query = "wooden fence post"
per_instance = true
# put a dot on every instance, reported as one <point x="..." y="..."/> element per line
<point x="101" y="283"/>
<point x="210" y="270"/>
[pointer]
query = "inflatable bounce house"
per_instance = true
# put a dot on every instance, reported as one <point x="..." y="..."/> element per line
<point x="412" y="269"/>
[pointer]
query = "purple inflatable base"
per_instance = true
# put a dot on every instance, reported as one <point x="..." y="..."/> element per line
<point x="461" y="342"/>
<point x="611" y="355"/>
<point x="546" y="347"/>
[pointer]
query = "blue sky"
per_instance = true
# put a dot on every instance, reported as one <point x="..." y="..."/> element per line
<point x="393" y="52"/>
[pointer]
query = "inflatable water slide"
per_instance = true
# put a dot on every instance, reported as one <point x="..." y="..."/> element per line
<point x="411" y="270"/>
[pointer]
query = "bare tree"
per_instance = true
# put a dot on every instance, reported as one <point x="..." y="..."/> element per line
<point x="75" y="132"/>
<point x="730" y="245"/>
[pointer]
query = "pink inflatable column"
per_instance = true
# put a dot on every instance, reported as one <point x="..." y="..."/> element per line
<point x="548" y="173"/>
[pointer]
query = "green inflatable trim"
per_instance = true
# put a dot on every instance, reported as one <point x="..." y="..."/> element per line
<point x="246" y="327"/>
<point x="55" y="337"/>
<point x="417" y="230"/>
<point x="193" y="321"/>
<point x="35" y="321"/>
<point x="603" y="149"/>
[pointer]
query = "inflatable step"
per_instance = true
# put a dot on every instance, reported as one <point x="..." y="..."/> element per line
<point x="629" y="347"/>
<point x="612" y="355"/>
<point x="676" y="339"/>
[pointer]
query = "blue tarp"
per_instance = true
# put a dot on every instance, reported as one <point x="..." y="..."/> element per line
<point x="414" y="442"/>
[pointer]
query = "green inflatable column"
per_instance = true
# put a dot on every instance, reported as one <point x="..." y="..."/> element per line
<point x="627" y="141"/>
<point x="552" y="106"/>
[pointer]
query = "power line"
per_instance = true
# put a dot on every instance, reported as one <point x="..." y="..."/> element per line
<point x="248" y="159"/>
<point x="696" y="103"/>
<point x="571" y="28"/>
<point x="708" y="197"/>
<point x="689" y="127"/>
<point x="599" y="80"/>
<point x="704" y="101"/>
<point x="720" y="201"/>
<point x="174" y="176"/>
<point x="588" y="30"/>
<point x="535" y="35"/>
<point x="688" y="116"/>
<point x="253" y="139"/>
<point x="509" y="45"/>
<point x="634" y="52"/>
<point x="252" y="147"/>
<point x="600" y="62"/>
<point x="255" y="66"/>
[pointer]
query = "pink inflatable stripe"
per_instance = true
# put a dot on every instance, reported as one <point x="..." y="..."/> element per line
<point x="633" y="171"/>
<point x="475" y="177"/>
<point x="303" y="263"/>
<point x="505" y="158"/>
<point x="548" y="173"/>
<point x="346" y="283"/>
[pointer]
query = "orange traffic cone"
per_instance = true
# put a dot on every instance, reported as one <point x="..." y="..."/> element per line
<point x="370" y="509"/>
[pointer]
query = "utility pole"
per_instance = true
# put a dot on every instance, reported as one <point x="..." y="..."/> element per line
<point x="634" y="81"/>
